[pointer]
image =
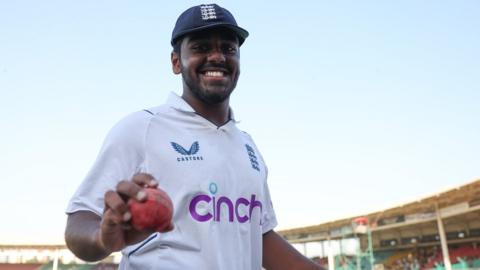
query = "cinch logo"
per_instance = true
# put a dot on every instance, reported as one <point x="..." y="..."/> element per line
<point x="189" y="155"/>
<point x="240" y="209"/>
<point x="253" y="157"/>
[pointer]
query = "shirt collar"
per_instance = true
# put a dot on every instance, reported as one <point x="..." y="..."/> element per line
<point x="177" y="102"/>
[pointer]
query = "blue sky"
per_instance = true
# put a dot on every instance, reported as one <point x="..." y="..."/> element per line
<point x="355" y="105"/>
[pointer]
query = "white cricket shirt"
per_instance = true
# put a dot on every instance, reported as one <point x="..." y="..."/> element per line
<point x="215" y="177"/>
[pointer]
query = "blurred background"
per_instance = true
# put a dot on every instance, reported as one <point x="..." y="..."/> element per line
<point x="357" y="106"/>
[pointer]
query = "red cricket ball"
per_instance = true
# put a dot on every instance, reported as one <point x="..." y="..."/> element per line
<point x="155" y="213"/>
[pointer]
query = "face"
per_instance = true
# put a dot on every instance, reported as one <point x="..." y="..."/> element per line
<point x="209" y="62"/>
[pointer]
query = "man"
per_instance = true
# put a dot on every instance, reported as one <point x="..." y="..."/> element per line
<point x="191" y="148"/>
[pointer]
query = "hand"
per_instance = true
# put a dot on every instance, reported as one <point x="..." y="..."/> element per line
<point x="115" y="231"/>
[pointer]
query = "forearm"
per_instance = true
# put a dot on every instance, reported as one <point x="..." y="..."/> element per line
<point x="278" y="254"/>
<point x="81" y="236"/>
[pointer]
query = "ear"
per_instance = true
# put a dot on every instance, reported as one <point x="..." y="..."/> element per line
<point x="176" y="65"/>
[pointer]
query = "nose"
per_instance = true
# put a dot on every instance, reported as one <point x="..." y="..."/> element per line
<point x="216" y="55"/>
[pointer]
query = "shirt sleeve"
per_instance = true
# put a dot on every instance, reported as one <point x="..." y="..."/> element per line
<point x="121" y="156"/>
<point x="269" y="219"/>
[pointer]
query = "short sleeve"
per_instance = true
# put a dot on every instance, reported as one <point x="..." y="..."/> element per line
<point x="121" y="156"/>
<point x="269" y="219"/>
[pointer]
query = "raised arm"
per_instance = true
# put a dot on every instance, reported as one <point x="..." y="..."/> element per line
<point x="278" y="254"/>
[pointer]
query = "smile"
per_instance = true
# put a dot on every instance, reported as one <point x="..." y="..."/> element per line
<point x="214" y="74"/>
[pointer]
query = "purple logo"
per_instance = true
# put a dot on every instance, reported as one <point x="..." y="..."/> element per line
<point x="233" y="207"/>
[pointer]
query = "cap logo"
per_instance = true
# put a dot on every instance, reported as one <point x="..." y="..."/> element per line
<point x="208" y="12"/>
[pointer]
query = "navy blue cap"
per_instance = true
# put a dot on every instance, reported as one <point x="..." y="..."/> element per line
<point x="203" y="17"/>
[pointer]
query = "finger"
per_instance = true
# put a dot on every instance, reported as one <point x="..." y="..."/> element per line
<point x="114" y="202"/>
<point x="111" y="219"/>
<point x="169" y="228"/>
<point x="144" y="180"/>
<point x="111" y="234"/>
<point x="127" y="226"/>
<point x="130" y="189"/>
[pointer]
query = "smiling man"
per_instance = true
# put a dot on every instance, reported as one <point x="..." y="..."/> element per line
<point x="191" y="148"/>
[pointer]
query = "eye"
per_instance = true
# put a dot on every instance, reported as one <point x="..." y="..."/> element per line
<point x="230" y="49"/>
<point x="200" y="47"/>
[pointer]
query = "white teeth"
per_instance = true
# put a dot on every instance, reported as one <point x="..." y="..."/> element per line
<point x="214" y="73"/>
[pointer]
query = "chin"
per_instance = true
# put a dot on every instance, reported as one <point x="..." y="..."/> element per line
<point x="214" y="97"/>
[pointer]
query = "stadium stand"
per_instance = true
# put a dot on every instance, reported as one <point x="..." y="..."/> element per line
<point x="26" y="266"/>
<point x="42" y="257"/>
<point x="411" y="235"/>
